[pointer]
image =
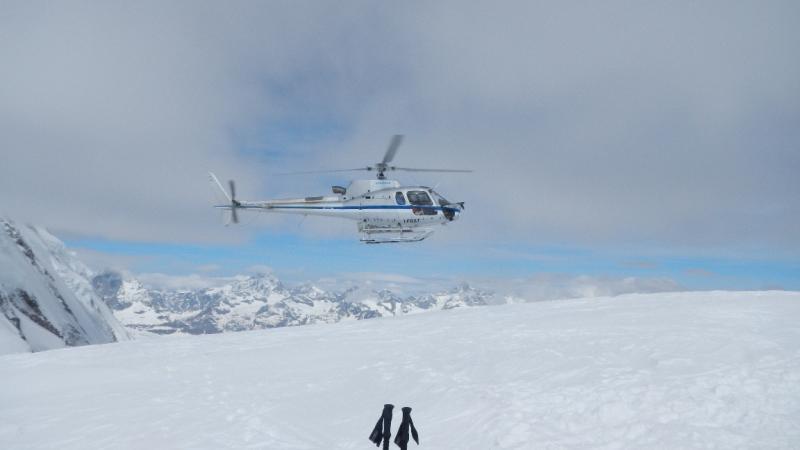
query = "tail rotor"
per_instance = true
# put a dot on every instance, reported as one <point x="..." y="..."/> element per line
<point x="234" y="203"/>
<point x="230" y="195"/>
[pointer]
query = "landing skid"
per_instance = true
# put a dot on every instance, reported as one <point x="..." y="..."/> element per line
<point x="393" y="235"/>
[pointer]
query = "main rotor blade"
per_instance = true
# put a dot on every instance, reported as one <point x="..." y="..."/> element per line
<point x="232" y="185"/>
<point x="322" y="171"/>
<point x="394" y="144"/>
<point x="408" y="169"/>
<point x="234" y="215"/>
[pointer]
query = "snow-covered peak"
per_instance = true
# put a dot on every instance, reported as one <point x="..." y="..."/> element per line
<point x="260" y="283"/>
<point x="46" y="298"/>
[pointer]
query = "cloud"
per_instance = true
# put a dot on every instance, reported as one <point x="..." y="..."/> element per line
<point x="99" y="261"/>
<point x="180" y="282"/>
<point x="367" y="282"/>
<point x="538" y="287"/>
<point x="112" y="114"/>
<point x="640" y="264"/>
<point x="374" y="277"/>
<point x="259" y="269"/>
<point x="560" y="286"/>
<point x="604" y="124"/>
<point x="699" y="272"/>
<point x="206" y="268"/>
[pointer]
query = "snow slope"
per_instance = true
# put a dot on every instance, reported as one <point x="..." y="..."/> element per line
<point x="678" y="370"/>
<point x="46" y="297"/>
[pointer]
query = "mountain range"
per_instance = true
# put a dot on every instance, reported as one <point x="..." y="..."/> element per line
<point x="262" y="301"/>
<point x="50" y="299"/>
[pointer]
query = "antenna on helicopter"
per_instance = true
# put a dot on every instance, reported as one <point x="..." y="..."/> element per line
<point x="382" y="167"/>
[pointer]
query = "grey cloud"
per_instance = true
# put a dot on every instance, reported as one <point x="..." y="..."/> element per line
<point x="112" y="113"/>
<point x="561" y="286"/>
<point x="640" y="264"/>
<point x="649" y="123"/>
<point x="180" y="282"/>
<point x="609" y="123"/>
<point x="99" y="261"/>
<point x="537" y="287"/>
<point x="699" y="272"/>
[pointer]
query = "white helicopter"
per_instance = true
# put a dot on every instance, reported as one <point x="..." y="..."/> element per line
<point x="385" y="210"/>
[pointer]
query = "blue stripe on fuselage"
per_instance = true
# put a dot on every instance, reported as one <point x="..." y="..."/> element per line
<point x="438" y="208"/>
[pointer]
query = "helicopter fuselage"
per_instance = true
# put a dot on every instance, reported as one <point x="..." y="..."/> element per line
<point x="385" y="210"/>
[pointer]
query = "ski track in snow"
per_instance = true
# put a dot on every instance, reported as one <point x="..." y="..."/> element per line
<point x="679" y="370"/>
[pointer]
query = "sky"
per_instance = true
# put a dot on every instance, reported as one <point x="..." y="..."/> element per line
<point x="655" y="140"/>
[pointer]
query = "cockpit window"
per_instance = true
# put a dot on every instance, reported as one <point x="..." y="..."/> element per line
<point x="399" y="198"/>
<point x="419" y="198"/>
<point x="442" y="201"/>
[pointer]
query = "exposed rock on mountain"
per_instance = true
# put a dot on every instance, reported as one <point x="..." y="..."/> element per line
<point x="46" y="297"/>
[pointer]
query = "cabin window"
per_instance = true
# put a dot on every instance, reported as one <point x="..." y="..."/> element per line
<point x="400" y="198"/>
<point x="419" y="198"/>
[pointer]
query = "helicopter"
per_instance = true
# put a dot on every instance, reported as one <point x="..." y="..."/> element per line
<point x="385" y="210"/>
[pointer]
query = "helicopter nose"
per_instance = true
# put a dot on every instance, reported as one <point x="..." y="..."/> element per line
<point x="453" y="211"/>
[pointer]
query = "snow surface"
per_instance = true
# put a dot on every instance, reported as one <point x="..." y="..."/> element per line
<point x="678" y="370"/>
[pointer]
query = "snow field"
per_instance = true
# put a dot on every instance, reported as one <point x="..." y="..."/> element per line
<point x="679" y="370"/>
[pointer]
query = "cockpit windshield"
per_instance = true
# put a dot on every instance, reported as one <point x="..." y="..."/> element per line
<point x="439" y="198"/>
